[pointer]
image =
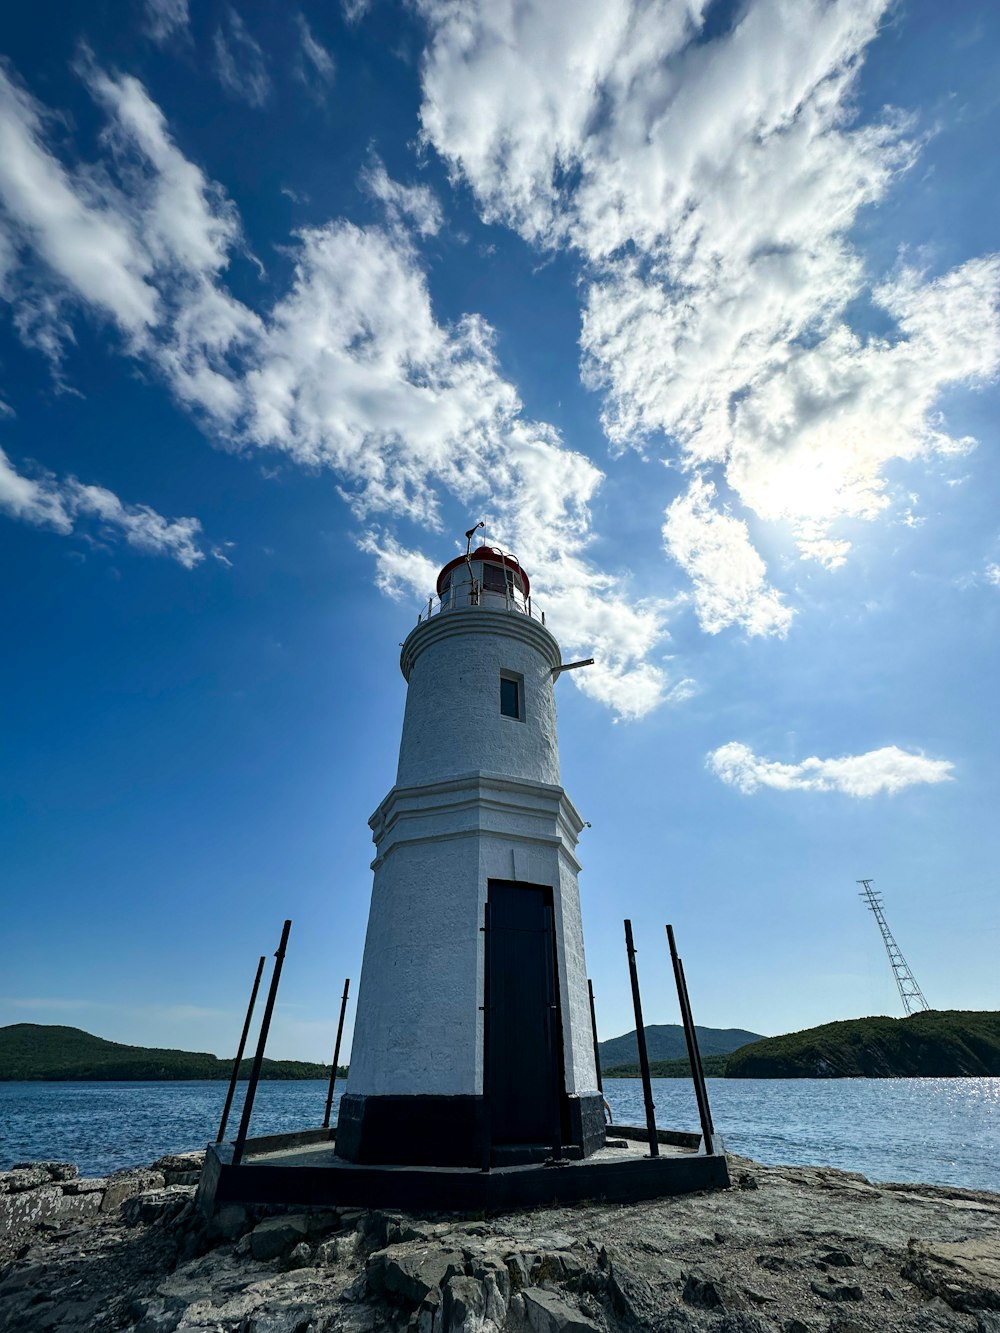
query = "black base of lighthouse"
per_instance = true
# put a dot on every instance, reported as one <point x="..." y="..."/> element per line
<point x="452" y="1131"/>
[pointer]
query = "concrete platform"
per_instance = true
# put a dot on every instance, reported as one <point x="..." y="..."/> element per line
<point x="304" y="1170"/>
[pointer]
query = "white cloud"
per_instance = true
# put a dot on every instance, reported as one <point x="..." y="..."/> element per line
<point x="414" y="203"/>
<point x="889" y="769"/>
<point x="710" y="188"/>
<point x="166" y="17"/>
<point x="68" y="220"/>
<point x="715" y="550"/>
<point x="315" y="66"/>
<point x="239" y="61"/>
<point x="351" y="370"/>
<point x="993" y="575"/>
<point x="68" y="505"/>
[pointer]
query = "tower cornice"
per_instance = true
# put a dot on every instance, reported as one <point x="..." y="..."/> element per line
<point x="461" y="621"/>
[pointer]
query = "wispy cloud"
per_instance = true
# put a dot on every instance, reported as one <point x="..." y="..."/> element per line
<point x="164" y="18"/>
<point x="888" y="770"/>
<point x="69" y="505"/>
<point x="240" y="62"/>
<point x="315" y="65"/>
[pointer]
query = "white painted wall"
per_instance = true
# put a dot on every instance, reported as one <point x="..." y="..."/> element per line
<point x="452" y="723"/>
<point x="477" y="797"/>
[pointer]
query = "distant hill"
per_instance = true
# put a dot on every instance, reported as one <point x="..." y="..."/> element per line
<point x="713" y="1066"/>
<point x="947" y="1043"/>
<point x="34" y="1051"/>
<point x="665" y="1041"/>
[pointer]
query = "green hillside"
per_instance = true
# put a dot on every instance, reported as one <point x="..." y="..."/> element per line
<point x="665" y="1041"/>
<point x="941" y="1044"/>
<point x="32" y="1051"/>
<point x="714" y="1066"/>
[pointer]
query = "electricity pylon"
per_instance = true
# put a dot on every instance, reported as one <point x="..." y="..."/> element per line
<point x="909" y="992"/>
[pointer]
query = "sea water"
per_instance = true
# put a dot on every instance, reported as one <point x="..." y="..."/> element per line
<point x="943" y="1131"/>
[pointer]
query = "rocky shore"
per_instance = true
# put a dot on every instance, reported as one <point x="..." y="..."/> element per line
<point x="787" y="1250"/>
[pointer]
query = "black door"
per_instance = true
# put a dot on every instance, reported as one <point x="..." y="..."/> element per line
<point x="523" y="1056"/>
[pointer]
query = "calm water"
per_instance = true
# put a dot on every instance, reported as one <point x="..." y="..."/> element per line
<point x="937" y="1130"/>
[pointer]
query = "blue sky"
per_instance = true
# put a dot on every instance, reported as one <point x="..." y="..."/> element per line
<point x="696" y="304"/>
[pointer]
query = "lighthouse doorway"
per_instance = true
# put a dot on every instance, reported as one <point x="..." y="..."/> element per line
<point x="522" y="1065"/>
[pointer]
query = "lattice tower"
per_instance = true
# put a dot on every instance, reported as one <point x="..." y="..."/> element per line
<point x="909" y="992"/>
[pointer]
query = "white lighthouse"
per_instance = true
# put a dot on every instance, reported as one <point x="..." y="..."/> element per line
<point x="473" y="1042"/>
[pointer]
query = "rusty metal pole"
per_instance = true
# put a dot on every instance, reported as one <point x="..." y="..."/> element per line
<point x="239" y="1054"/>
<point x="336" y="1054"/>
<point x="694" y="1055"/>
<point x="241" y="1137"/>
<point x="593" y="1024"/>
<point x="640" y="1037"/>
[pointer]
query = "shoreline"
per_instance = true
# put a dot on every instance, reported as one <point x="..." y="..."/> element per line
<point x="786" y="1250"/>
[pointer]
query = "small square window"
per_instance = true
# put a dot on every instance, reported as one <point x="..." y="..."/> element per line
<point x="510" y="696"/>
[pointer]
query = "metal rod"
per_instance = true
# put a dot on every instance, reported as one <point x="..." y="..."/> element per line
<point x="691" y="1038"/>
<point x="593" y="1024"/>
<point x="265" y="1023"/>
<point x="640" y="1038"/>
<point x="336" y="1054"/>
<point x="239" y="1054"/>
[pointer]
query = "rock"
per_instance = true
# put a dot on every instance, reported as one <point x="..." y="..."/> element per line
<point x="837" y="1259"/>
<point x="127" y="1184"/>
<point x="497" y="1295"/>
<point x="517" y="1270"/>
<point x="300" y="1256"/>
<point x="276" y="1236"/>
<point x="86" y="1185"/>
<point x="78" y="1205"/>
<point x="21" y="1178"/>
<point x="837" y="1291"/>
<point x="329" y="1252"/>
<point x="464" y="1306"/>
<point x="28" y="1207"/>
<point x="744" y="1323"/>
<point x="291" y="1319"/>
<point x="155" y="1317"/>
<point x="54" y="1170"/>
<point x="987" y="1322"/>
<point x="965" y="1274"/>
<point x="230" y="1220"/>
<point x="632" y="1297"/>
<point x="713" y="1293"/>
<point x="407" y="1273"/>
<point x="548" y="1312"/>
<point x="156" y="1207"/>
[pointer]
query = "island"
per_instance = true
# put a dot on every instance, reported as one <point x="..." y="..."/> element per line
<point x="36" y="1052"/>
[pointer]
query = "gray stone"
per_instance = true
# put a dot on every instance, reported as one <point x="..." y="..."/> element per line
<point x="156" y="1317"/>
<point x="276" y="1236"/>
<point x="127" y="1184"/>
<point x="837" y="1259"/>
<point x="965" y="1274"/>
<point x="229" y="1221"/>
<point x="86" y="1185"/>
<point x="21" y="1178"/>
<point x="407" y="1273"/>
<point x="464" y="1305"/>
<point x="329" y="1252"/>
<point x="300" y="1255"/>
<point x="290" y="1319"/>
<point x="837" y="1291"/>
<point x="713" y="1293"/>
<point x="78" y="1205"/>
<point x="54" y="1170"/>
<point x="632" y="1298"/>
<point x="28" y="1207"/>
<point x="155" y="1207"/>
<point x="548" y="1312"/>
<point x="987" y="1322"/>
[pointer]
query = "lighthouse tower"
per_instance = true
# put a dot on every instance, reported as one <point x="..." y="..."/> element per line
<point x="473" y="1042"/>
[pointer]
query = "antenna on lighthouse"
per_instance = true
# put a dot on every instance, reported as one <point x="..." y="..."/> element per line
<point x="909" y="992"/>
<point x="469" y="536"/>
